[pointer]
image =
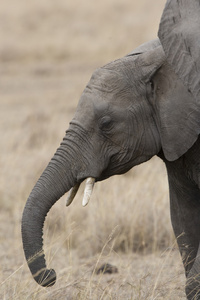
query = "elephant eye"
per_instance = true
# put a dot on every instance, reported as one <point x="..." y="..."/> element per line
<point x="105" y="123"/>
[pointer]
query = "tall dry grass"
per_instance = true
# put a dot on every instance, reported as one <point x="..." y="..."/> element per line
<point x="48" y="51"/>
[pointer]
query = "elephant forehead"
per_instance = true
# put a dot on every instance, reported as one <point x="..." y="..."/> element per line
<point x="91" y="108"/>
<point x="86" y="112"/>
<point x="109" y="79"/>
<point x="85" y="109"/>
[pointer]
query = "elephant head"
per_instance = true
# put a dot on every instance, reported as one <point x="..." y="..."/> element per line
<point x="130" y="110"/>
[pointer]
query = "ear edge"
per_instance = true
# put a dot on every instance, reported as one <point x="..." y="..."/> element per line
<point x="148" y="46"/>
<point x="174" y="153"/>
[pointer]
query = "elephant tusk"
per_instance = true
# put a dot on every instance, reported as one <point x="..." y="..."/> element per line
<point x="72" y="194"/>
<point x="88" y="190"/>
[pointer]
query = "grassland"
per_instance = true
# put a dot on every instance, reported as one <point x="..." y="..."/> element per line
<point x="48" y="51"/>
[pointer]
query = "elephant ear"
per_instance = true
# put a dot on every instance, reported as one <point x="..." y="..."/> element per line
<point x="148" y="46"/>
<point x="180" y="38"/>
<point x="178" y="114"/>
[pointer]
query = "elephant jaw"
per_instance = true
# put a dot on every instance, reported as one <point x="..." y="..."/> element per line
<point x="87" y="192"/>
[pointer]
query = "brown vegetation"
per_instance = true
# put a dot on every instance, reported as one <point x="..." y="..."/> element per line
<point x="48" y="52"/>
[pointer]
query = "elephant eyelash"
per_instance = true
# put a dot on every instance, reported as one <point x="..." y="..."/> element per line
<point x="152" y="84"/>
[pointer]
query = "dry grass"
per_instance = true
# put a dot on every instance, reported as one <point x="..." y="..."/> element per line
<point x="48" y="50"/>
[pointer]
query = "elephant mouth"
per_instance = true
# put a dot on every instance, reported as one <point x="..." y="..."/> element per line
<point x="89" y="185"/>
<point x="87" y="191"/>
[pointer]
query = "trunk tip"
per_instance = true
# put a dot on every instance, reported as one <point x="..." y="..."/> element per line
<point x="46" y="278"/>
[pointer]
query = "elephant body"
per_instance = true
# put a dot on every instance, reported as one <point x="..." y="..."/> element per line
<point x="132" y="109"/>
<point x="184" y="188"/>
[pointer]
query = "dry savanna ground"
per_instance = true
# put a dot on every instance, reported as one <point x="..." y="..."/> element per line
<point x="48" y="51"/>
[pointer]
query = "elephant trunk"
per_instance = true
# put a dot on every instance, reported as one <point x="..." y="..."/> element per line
<point x="55" y="181"/>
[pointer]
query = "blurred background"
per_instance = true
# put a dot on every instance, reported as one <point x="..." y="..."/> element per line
<point x="48" y="51"/>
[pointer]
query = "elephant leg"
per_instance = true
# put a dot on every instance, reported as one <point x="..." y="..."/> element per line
<point x="185" y="216"/>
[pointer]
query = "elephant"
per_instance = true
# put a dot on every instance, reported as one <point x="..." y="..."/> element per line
<point x="138" y="106"/>
<point x="179" y="36"/>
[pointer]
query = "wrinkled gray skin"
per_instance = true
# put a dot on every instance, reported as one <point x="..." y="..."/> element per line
<point x="132" y="109"/>
<point x="180" y="38"/>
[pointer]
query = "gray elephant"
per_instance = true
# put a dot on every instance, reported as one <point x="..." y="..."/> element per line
<point x="132" y="109"/>
<point x="179" y="35"/>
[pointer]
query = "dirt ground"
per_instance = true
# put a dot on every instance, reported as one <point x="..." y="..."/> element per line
<point x="48" y="51"/>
